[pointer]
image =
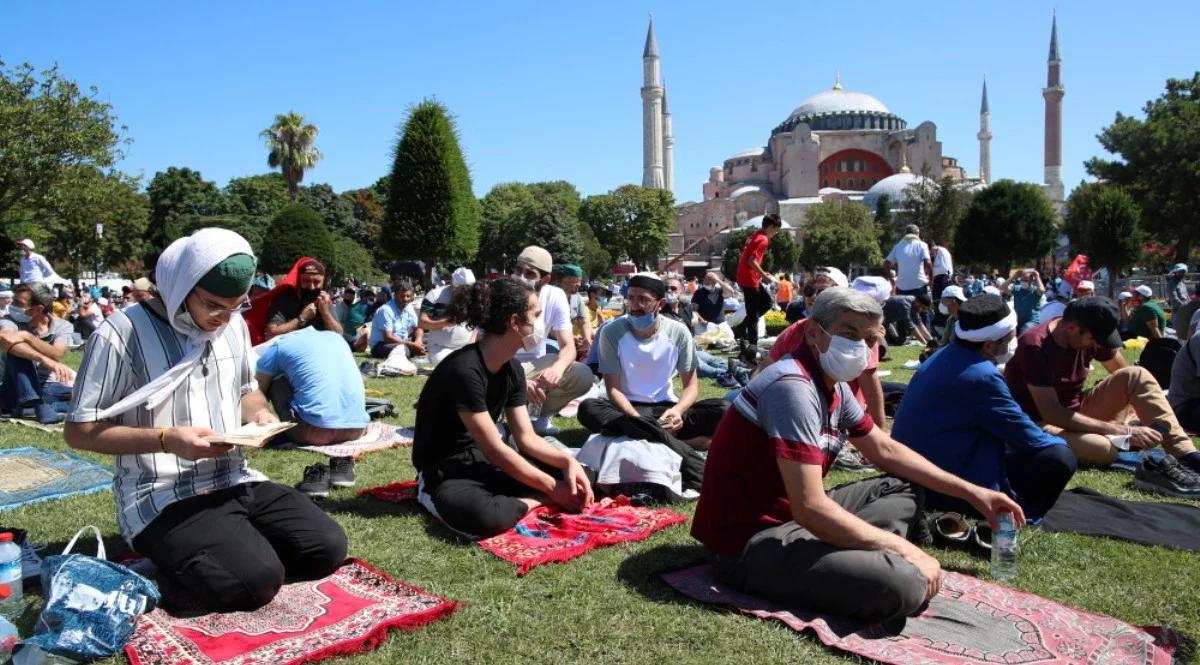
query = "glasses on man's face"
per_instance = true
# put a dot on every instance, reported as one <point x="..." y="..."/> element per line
<point x="215" y="310"/>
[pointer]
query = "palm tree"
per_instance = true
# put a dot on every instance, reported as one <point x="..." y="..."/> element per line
<point x="290" y="141"/>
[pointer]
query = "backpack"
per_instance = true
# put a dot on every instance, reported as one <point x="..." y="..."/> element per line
<point x="1157" y="358"/>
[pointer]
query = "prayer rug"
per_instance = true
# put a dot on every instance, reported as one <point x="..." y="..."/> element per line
<point x="393" y="493"/>
<point x="29" y="475"/>
<point x="970" y="622"/>
<point x="1085" y="511"/>
<point x="349" y="612"/>
<point x="379" y="436"/>
<point x="545" y="535"/>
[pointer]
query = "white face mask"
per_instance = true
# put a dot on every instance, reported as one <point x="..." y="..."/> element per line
<point x="943" y="309"/>
<point x="845" y="359"/>
<point x="1008" y="354"/>
<point x="534" y="340"/>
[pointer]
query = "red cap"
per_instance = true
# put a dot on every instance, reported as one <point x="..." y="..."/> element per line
<point x="5" y="591"/>
<point x="6" y="537"/>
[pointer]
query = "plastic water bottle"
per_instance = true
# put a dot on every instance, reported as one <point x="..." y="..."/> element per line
<point x="8" y="632"/>
<point x="11" y="607"/>
<point x="1004" y="548"/>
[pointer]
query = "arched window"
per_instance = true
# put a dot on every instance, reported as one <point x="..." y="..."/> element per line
<point x="839" y="183"/>
<point x="825" y="182"/>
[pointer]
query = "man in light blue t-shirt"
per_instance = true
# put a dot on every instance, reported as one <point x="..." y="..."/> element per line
<point x="311" y="378"/>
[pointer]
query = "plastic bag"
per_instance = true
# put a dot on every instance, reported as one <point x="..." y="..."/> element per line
<point x="92" y="605"/>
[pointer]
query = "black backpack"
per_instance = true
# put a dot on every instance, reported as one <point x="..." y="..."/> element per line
<point x="1157" y="358"/>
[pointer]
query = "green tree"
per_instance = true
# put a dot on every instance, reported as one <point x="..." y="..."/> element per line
<point x="295" y="232"/>
<point x="781" y="255"/>
<point x="839" y="234"/>
<point x="174" y="194"/>
<point x="502" y="232"/>
<point x="353" y="261"/>
<point x="937" y="206"/>
<point x="431" y="212"/>
<point x="253" y="229"/>
<point x="84" y="197"/>
<point x="595" y="260"/>
<point x="1104" y="222"/>
<point x="258" y="196"/>
<point x="336" y="211"/>
<point x="48" y="127"/>
<point x="1008" y="222"/>
<point x="633" y="222"/>
<point x="290" y="148"/>
<point x="548" y="225"/>
<point x="1159" y="163"/>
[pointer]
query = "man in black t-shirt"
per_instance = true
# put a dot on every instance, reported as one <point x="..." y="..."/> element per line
<point x="303" y="305"/>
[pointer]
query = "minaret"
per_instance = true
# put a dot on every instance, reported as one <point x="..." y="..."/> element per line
<point x="1053" y="93"/>
<point x="652" y="111"/>
<point x="985" y="139"/>
<point x="668" y="150"/>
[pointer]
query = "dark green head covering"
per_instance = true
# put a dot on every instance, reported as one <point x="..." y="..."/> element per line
<point x="229" y="278"/>
<point x="568" y="270"/>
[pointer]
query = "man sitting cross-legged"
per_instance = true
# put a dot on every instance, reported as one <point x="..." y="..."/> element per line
<point x="959" y="413"/>
<point x="764" y="512"/>
<point x="34" y="342"/>
<point x="312" y="380"/>
<point x="640" y="354"/>
<point x="157" y="379"/>
<point x="1046" y="377"/>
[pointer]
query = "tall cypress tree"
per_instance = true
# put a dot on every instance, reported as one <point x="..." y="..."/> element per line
<point x="431" y="212"/>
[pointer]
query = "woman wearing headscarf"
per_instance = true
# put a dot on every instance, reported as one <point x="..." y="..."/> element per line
<point x="156" y="379"/>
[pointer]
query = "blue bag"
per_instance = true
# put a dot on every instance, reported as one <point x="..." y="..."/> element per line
<point x="91" y="605"/>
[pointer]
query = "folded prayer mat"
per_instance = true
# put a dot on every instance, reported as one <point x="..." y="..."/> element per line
<point x="969" y="622"/>
<point x="349" y="612"/>
<point x="401" y="492"/>
<point x="545" y="534"/>
<point x="1085" y="511"/>
<point x="378" y="436"/>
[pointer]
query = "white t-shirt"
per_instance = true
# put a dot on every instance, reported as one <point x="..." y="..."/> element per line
<point x="556" y="317"/>
<point x="435" y="305"/>
<point x="942" y="263"/>
<point x="646" y="366"/>
<point x="909" y="256"/>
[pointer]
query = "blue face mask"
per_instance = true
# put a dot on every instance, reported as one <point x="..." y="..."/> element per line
<point x="643" y="321"/>
<point x="603" y="302"/>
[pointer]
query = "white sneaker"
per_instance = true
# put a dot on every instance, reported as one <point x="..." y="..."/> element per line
<point x="544" y="426"/>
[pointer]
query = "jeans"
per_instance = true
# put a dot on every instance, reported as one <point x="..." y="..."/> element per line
<point x="709" y="366"/>
<point x="23" y="386"/>
<point x="232" y="549"/>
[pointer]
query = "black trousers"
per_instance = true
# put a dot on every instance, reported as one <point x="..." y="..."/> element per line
<point x="758" y="302"/>
<point x="1038" y="477"/>
<point x="1188" y="415"/>
<point x="477" y="499"/>
<point x="599" y="415"/>
<point x="232" y="549"/>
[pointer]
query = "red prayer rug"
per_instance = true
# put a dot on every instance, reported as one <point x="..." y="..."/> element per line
<point x="970" y="622"/>
<point x="349" y="612"/>
<point x="393" y="493"/>
<point x="545" y="534"/>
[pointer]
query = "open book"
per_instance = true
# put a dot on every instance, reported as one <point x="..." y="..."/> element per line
<point x="251" y="435"/>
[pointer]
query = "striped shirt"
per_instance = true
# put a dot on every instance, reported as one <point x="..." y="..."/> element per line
<point x="125" y="353"/>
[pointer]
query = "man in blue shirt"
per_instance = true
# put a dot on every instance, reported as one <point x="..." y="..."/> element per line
<point x="394" y="326"/>
<point x="1026" y="289"/>
<point x="311" y="378"/>
<point x="958" y="413"/>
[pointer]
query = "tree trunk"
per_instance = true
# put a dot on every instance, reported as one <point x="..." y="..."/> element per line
<point x="429" y="261"/>
<point x="1183" y="249"/>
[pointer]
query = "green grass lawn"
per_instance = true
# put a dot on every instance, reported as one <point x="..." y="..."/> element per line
<point x="609" y="606"/>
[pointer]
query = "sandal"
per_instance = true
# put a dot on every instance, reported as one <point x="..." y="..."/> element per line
<point x="950" y="529"/>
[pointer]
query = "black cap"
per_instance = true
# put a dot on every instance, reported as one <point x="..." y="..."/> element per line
<point x="982" y="311"/>
<point x="1099" y="316"/>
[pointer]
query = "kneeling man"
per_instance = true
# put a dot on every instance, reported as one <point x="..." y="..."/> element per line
<point x="155" y="380"/>
<point x="959" y="413"/>
<point x="764" y="512"/>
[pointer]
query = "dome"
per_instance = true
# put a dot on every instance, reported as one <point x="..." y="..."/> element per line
<point x="752" y="152"/>
<point x="744" y="189"/>
<point x="838" y="100"/>
<point x="893" y="187"/>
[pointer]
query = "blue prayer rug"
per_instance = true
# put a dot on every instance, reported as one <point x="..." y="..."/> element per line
<point x="29" y="475"/>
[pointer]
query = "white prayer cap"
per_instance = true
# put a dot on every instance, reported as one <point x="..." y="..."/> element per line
<point x="6" y="294"/>
<point x="1085" y="285"/>
<point x="838" y="277"/>
<point x="991" y="289"/>
<point x="877" y="287"/>
<point x="462" y="277"/>
<point x="954" y="291"/>
<point x="1124" y="295"/>
<point x="26" y="243"/>
<point x="1145" y="291"/>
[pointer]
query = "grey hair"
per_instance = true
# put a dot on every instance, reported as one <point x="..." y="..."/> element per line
<point x="835" y="300"/>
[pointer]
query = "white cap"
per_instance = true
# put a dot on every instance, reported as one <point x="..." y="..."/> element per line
<point x="954" y="291"/>
<point x="26" y="243"/>
<point x="1179" y="266"/>
<point x="1000" y="281"/>
<point x="876" y="287"/>
<point x="6" y="294"/>
<point x="462" y="277"/>
<point x="1145" y="291"/>
<point x="103" y="302"/>
<point x="1085" y="285"/>
<point x="1124" y="295"/>
<point x="991" y="289"/>
<point x="838" y="277"/>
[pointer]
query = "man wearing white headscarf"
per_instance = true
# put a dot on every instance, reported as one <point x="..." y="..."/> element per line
<point x="155" y="380"/>
<point x="959" y="413"/>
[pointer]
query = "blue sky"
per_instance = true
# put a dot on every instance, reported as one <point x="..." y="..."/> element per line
<point x="549" y="90"/>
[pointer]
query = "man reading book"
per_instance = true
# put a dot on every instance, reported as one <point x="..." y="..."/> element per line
<point x="155" y="380"/>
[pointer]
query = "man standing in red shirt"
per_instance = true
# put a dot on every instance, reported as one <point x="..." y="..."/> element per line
<point x="750" y="276"/>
